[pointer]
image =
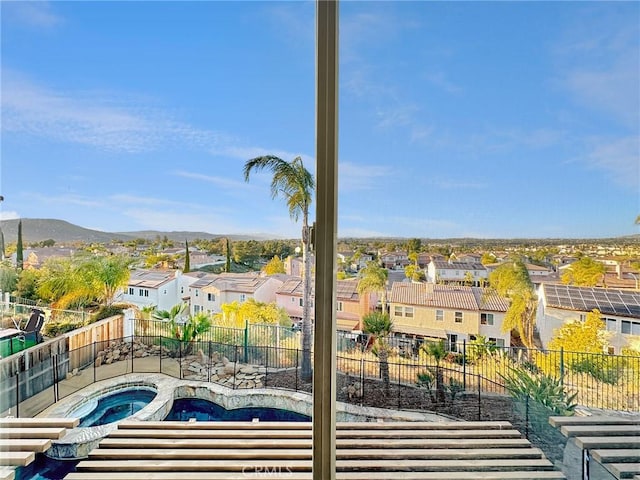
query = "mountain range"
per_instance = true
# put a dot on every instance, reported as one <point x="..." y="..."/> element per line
<point x="39" y="229"/>
<point x="36" y="230"/>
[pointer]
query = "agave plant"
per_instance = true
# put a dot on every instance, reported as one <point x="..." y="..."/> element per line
<point x="543" y="390"/>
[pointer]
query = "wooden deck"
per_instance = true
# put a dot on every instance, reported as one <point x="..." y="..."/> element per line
<point x="22" y="438"/>
<point x="613" y="443"/>
<point x="283" y="450"/>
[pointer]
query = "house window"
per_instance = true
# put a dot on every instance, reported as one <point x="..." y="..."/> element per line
<point x="439" y="315"/>
<point x="397" y="311"/>
<point x="486" y="319"/>
<point x="339" y="306"/>
<point x="164" y="292"/>
<point x="458" y="317"/>
<point x="131" y="291"/>
<point x="611" y="324"/>
<point x="630" y="328"/>
<point x="243" y="297"/>
<point x="196" y="308"/>
<point x="143" y="293"/>
<point x="408" y="311"/>
<point x="499" y="342"/>
<point x="211" y="297"/>
<point x="300" y="301"/>
<point x="196" y="293"/>
<point x="181" y="289"/>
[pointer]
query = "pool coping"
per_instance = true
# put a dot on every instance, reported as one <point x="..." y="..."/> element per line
<point x="78" y="442"/>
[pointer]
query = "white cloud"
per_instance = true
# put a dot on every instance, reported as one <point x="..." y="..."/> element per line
<point x="353" y="177"/>
<point x="619" y="158"/>
<point x="221" y="182"/>
<point x="440" y="80"/>
<point x="179" y="220"/>
<point x="96" y="120"/>
<point x="458" y="185"/>
<point x="9" y="215"/>
<point x="38" y="14"/>
<point x="599" y="64"/>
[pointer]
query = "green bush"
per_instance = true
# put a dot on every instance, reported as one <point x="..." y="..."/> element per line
<point x="106" y="311"/>
<point x="545" y="391"/>
<point x="597" y="367"/>
<point x="55" y="328"/>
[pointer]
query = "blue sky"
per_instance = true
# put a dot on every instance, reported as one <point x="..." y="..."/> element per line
<point x="456" y="119"/>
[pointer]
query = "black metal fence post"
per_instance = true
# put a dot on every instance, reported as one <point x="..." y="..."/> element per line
<point x="296" y="371"/>
<point x="266" y="364"/>
<point x="18" y="394"/>
<point x="94" y="361"/>
<point x="235" y="366"/>
<point x="180" y="357"/>
<point x="464" y="364"/>
<point x="131" y="352"/>
<point x="479" y="398"/>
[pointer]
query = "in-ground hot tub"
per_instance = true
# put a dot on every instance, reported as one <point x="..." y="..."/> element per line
<point x="101" y="406"/>
<point x="115" y="406"/>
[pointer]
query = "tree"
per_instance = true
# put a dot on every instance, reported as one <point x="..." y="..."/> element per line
<point x="512" y="280"/>
<point x="438" y="352"/>
<point x="8" y="278"/>
<point x="586" y="272"/>
<point x="227" y="250"/>
<point x="110" y="274"/>
<point x="414" y="245"/>
<point x="414" y="272"/>
<point x="379" y="325"/>
<point x="373" y="279"/>
<point x="237" y="315"/>
<point x="187" y="259"/>
<point x="487" y="258"/>
<point x="275" y="265"/>
<point x="27" y="286"/>
<point x="19" y="252"/>
<point x="589" y="336"/>
<point x="295" y="183"/>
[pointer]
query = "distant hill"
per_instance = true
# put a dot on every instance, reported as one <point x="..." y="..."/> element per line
<point x="39" y="229"/>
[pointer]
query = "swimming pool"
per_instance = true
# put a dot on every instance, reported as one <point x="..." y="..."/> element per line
<point x="204" y="410"/>
<point x="44" y="468"/>
<point x="113" y="407"/>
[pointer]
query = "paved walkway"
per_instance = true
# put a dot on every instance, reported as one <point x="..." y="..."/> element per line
<point x="35" y="404"/>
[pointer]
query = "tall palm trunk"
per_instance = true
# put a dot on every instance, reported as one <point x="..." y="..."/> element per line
<point x="306" y="303"/>
<point x="383" y="357"/>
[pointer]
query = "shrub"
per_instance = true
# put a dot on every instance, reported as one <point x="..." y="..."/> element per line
<point x="55" y="328"/>
<point x="106" y="311"/>
<point x="545" y="391"/>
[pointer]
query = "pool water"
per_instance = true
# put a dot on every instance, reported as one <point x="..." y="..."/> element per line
<point x="204" y="410"/>
<point x="45" y="468"/>
<point x="117" y="406"/>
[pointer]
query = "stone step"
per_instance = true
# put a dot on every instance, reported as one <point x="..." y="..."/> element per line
<point x="597" y="442"/>
<point x="39" y="422"/>
<point x="623" y="470"/>
<point x="33" y="432"/>
<point x="599" y="430"/>
<point x="24" y="444"/>
<point x="616" y="455"/>
<point x="17" y="459"/>
<point x="560" y="421"/>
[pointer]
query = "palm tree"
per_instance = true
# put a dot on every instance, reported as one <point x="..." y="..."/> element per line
<point x="438" y="351"/>
<point x="294" y="182"/>
<point x="373" y="279"/>
<point x="379" y="325"/>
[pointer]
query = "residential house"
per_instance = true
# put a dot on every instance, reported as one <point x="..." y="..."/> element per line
<point x="456" y="272"/>
<point x="153" y="287"/>
<point x="210" y="292"/>
<point x="619" y="309"/>
<point x="34" y="258"/>
<point x="201" y="260"/>
<point x="428" y="311"/>
<point x="350" y="306"/>
<point x="354" y="261"/>
<point x="394" y="260"/>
